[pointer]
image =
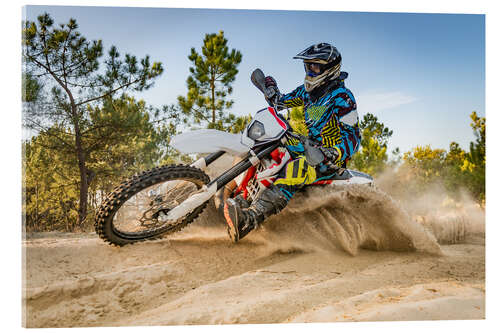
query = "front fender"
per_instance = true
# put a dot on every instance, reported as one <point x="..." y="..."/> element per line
<point x="208" y="141"/>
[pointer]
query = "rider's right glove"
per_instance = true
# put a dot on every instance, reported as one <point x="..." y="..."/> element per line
<point x="331" y="154"/>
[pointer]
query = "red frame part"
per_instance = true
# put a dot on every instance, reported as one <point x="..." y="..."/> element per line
<point x="243" y="186"/>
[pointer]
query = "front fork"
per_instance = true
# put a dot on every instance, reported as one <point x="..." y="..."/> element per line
<point x="204" y="162"/>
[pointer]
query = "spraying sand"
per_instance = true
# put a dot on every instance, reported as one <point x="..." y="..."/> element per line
<point x="345" y="254"/>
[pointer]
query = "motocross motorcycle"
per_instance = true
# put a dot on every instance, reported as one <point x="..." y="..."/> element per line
<point x="165" y="199"/>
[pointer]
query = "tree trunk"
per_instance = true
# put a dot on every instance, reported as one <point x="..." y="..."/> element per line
<point x="84" y="186"/>
<point x="212" y="86"/>
<point x="80" y="154"/>
<point x="36" y="205"/>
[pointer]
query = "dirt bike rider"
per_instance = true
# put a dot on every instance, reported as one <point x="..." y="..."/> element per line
<point x="332" y="121"/>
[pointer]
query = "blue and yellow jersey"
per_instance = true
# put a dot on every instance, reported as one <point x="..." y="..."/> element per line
<point x="332" y="119"/>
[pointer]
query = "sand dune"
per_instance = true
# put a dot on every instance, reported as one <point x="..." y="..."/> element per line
<point x="345" y="254"/>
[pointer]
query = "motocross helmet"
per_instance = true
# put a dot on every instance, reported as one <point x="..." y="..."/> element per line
<point x="321" y="64"/>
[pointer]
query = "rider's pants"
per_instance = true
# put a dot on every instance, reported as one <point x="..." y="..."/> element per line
<point x="294" y="176"/>
<point x="297" y="173"/>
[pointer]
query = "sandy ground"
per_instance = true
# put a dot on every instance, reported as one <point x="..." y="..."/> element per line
<point x="351" y="256"/>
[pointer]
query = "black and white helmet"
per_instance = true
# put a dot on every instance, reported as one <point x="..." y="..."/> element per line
<point x="322" y="64"/>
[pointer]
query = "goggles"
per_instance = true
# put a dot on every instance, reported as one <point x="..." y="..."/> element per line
<point x="313" y="69"/>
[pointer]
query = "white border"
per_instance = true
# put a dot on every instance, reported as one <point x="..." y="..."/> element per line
<point x="11" y="138"/>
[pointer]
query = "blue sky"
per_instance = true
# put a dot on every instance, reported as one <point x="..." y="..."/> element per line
<point x="420" y="74"/>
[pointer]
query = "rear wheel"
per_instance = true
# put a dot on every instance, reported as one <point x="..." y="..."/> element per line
<point x="136" y="210"/>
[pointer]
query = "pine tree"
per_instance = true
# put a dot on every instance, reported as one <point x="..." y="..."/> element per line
<point x="125" y="137"/>
<point x="70" y="64"/>
<point x="31" y="89"/>
<point x="209" y="85"/>
<point x="372" y="157"/>
<point x="50" y="184"/>
<point x="475" y="162"/>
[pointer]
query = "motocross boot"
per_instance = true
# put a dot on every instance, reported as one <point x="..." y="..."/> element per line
<point x="242" y="202"/>
<point x="242" y="220"/>
<point x="221" y="197"/>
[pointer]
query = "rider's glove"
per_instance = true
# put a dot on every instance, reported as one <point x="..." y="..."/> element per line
<point x="270" y="82"/>
<point x="273" y="94"/>
<point x="331" y="154"/>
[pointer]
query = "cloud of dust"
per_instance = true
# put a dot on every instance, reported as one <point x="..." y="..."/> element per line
<point x="360" y="217"/>
<point x="348" y="218"/>
<point x="451" y="220"/>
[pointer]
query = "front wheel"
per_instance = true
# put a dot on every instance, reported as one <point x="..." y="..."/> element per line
<point x="134" y="211"/>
